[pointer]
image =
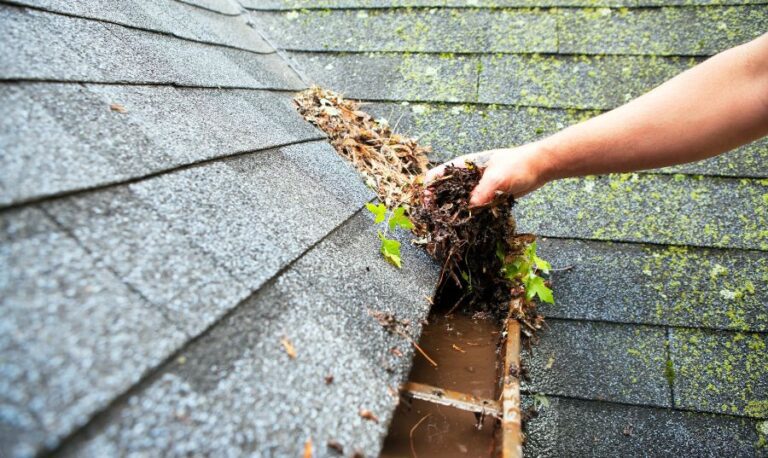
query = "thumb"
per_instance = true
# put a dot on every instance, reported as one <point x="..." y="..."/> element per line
<point x="485" y="190"/>
<point x="434" y="173"/>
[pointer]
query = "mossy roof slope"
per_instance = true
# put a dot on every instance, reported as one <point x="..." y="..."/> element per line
<point x="657" y="343"/>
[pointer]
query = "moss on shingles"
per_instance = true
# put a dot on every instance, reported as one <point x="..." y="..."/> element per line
<point x="417" y="30"/>
<point x="693" y="210"/>
<point x="644" y="349"/>
<point x="708" y="288"/>
<point x="721" y="372"/>
<point x="453" y="130"/>
<point x="762" y="434"/>
<point x="391" y="76"/>
<point x="446" y="78"/>
<point x="661" y="31"/>
<point x="586" y="82"/>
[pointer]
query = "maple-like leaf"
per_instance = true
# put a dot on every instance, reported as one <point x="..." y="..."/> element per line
<point x="535" y="286"/>
<point x="391" y="250"/>
<point x="398" y="219"/>
<point x="379" y="211"/>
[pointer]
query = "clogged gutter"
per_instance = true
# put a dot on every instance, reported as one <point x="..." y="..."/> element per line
<point x="478" y="248"/>
<point x="496" y="269"/>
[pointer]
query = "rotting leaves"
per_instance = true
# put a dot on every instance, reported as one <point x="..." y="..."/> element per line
<point x="368" y="415"/>
<point x="389" y="162"/>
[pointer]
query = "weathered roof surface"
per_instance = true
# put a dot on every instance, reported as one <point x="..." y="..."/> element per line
<point x="657" y="342"/>
<point x="166" y="219"/>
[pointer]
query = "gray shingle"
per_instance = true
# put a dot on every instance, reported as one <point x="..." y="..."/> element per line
<point x="601" y="361"/>
<point x="231" y="7"/>
<point x="161" y="263"/>
<point x="73" y="336"/>
<point x="205" y="404"/>
<point x="166" y="16"/>
<point x="570" y="427"/>
<point x="679" y="286"/>
<point x="722" y="372"/>
<point x="679" y="210"/>
<point x="323" y="168"/>
<point x="453" y="130"/>
<point x="413" y="30"/>
<point x="86" y="50"/>
<point x="587" y="82"/>
<point x="70" y="138"/>
<point x="660" y="31"/>
<point x="393" y="77"/>
<point x="251" y="213"/>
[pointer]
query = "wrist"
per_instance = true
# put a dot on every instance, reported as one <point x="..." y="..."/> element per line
<point x="542" y="160"/>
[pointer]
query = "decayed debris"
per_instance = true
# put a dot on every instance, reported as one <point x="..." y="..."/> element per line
<point x="389" y="162"/>
<point x="465" y="240"/>
<point x="395" y="326"/>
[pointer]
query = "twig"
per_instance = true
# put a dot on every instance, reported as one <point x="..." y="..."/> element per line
<point x="423" y="353"/>
<point x="458" y="302"/>
<point x="410" y="435"/>
<point x="563" y="269"/>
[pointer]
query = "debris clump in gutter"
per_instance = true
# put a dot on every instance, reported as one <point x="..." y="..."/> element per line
<point x="478" y="248"/>
<point x="389" y="162"/>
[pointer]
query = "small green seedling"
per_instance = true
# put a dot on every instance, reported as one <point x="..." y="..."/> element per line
<point x="540" y="401"/>
<point x="390" y="248"/>
<point x="525" y="269"/>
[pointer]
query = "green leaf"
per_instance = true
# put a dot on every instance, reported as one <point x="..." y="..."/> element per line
<point x="541" y="264"/>
<point x="379" y="211"/>
<point x="398" y="219"/>
<point x="516" y="268"/>
<point x="530" y="254"/>
<point x="530" y="250"/>
<point x="535" y="286"/>
<point x="391" y="250"/>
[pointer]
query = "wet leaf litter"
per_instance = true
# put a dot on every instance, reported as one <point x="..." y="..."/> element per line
<point x="487" y="269"/>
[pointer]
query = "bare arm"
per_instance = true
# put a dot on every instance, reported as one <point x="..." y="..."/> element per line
<point x="707" y="110"/>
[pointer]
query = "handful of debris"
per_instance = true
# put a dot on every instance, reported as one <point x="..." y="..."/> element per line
<point x="465" y="240"/>
<point x="474" y="245"/>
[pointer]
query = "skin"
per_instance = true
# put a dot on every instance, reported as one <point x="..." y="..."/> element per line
<point x="712" y="108"/>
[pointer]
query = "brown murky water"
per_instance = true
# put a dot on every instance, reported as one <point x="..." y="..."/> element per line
<point x="465" y="351"/>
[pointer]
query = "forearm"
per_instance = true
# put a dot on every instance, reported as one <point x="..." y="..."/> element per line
<point x="709" y="109"/>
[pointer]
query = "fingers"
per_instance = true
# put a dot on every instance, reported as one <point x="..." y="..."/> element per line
<point x="485" y="191"/>
<point x="434" y="173"/>
<point x="437" y="172"/>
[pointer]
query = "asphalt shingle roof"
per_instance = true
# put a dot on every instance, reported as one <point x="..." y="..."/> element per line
<point x="153" y="259"/>
<point x="166" y="218"/>
<point x="657" y="340"/>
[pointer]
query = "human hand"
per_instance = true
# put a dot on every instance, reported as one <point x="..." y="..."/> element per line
<point x="516" y="171"/>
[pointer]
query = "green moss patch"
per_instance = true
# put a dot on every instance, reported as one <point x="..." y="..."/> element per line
<point x="721" y="372"/>
<point x="683" y="210"/>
